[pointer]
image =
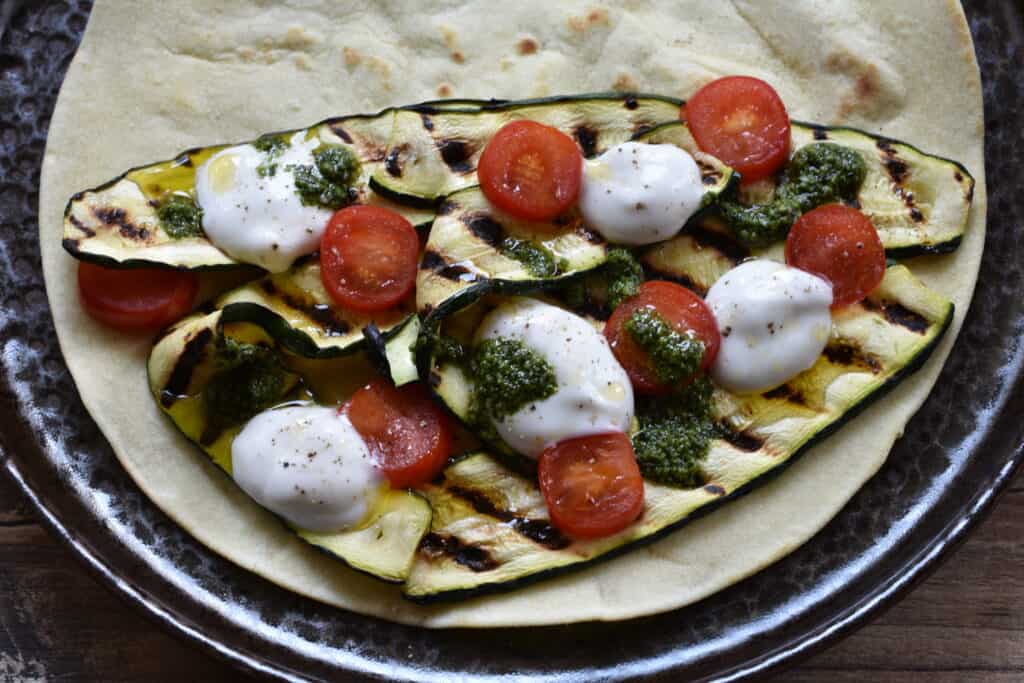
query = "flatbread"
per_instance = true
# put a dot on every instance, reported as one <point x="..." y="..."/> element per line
<point x="154" y="77"/>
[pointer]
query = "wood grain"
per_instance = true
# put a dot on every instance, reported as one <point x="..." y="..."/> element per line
<point x="963" y="625"/>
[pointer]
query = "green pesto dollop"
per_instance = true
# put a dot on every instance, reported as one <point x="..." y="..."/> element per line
<point x="329" y="180"/>
<point x="441" y="347"/>
<point x="676" y="357"/>
<point x="507" y="375"/>
<point x="817" y="174"/>
<point x="675" y="435"/>
<point x="249" y="379"/>
<point x="180" y="217"/>
<point x="537" y="259"/>
<point x="273" y="146"/>
<point x="624" y="274"/>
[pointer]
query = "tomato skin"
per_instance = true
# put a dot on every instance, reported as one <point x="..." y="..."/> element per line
<point x="743" y="122"/>
<point x="682" y="309"/>
<point x="531" y="171"/>
<point x="408" y="434"/>
<point x="136" y="299"/>
<point x="839" y="244"/>
<point x="368" y="258"/>
<point x="592" y="485"/>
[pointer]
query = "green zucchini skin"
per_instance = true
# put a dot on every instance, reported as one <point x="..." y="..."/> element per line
<point x="404" y="515"/>
<point x="911" y="320"/>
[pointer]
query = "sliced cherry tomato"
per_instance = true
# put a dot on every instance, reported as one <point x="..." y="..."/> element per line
<point x="839" y="244"/>
<point x="741" y="121"/>
<point x="409" y="435"/>
<point x="368" y="258"/>
<point x="531" y="171"/>
<point x="682" y="309"/>
<point x="592" y="485"/>
<point x="136" y="299"/>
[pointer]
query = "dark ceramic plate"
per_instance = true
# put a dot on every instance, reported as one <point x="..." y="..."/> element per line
<point x="941" y="478"/>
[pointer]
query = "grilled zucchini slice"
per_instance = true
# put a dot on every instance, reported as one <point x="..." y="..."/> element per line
<point x="490" y="530"/>
<point x="180" y="367"/>
<point x="116" y="224"/>
<point x="430" y="157"/>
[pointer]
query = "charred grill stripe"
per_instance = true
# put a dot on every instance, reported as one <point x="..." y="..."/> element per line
<point x="456" y="155"/>
<point x="181" y="375"/>
<point x="486" y="229"/>
<point x="81" y="227"/>
<point x="539" y="531"/>
<point x="846" y="354"/>
<point x="588" y="235"/>
<point x="118" y="217"/>
<point x="630" y="102"/>
<point x="322" y="314"/>
<point x="428" y="122"/>
<point x="897" y="169"/>
<point x="435" y="545"/>
<point x="744" y="441"/>
<point x="720" y="242"/>
<point x="446" y="207"/>
<point x="432" y="260"/>
<point x="787" y="393"/>
<point x="714" y="489"/>
<point x="652" y="273"/>
<point x="586" y="137"/>
<point x="959" y="176"/>
<point x="916" y="215"/>
<point x="819" y="133"/>
<point x="341" y="132"/>
<point x="898" y="314"/>
<point x="391" y="162"/>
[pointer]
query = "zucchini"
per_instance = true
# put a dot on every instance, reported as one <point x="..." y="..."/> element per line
<point x="180" y="366"/>
<point x="116" y="224"/>
<point x="429" y="157"/>
<point x="490" y="530"/>
<point x="295" y="309"/>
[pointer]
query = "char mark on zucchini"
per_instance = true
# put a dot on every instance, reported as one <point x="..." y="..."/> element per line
<point x="539" y="531"/>
<point x="586" y="137"/>
<point x="787" y="393"/>
<point x="340" y="131"/>
<point x="898" y="314"/>
<point x="720" y="242"/>
<point x="652" y="273"/>
<point x="486" y="229"/>
<point x="428" y="122"/>
<point x="432" y="260"/>
<point x="709" y="175"/>
<point x="846" y="354"/>
<point x="714" y="489"/>
<point x="435" y="546"/>
<point x="119" y="217"/>
<point x="393" y="162"/>
<point x="181" y="376"/>
<point x="457" y="155"/>
<point x="744" y="441"/>
<point x="630" y="102"/>
<point x="320" y="313"/>
<point x="819" y="133"/>
<point x="84" y="229"/>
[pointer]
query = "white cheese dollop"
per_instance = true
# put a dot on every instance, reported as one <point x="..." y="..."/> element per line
<point x="594" y="395"/>
<point x="307" y="464"/>
<point x="774" y="321"/>
<point x="637" y="193"/>
<point x="257" y="218"/>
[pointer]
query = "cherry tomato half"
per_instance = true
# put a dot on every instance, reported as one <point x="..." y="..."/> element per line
<point x="408" y="434"/>
<point x="682" y="309"/>
<point x="368" y="258"/>
<point x="592" y="485"/>
<point x="741" y="121"/>
<point x="136" y="299"/>
<point x="839" y="244"/>
<point x="531" y="171"/>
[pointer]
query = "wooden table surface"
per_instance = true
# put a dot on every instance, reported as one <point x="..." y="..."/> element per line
<point x="964" y="624"/>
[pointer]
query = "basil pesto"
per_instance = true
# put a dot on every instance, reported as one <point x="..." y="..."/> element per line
<point x="249" y="379"/>
<point x="675" y="435"/>
<point x="675" y="356"/>
<point x="180" y="217"/>
<point x="328" y="181"/>
<point x="538" y="260"/>
<point x="624" y="274"/>
<point x="507" y="376"/>
<point x="273" y="146"/>
<point x="817" y="174"/>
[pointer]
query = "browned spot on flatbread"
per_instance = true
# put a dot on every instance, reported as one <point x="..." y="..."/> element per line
<point x="866" y="93"/>
<point x="625" y="83"/>
<point x="444" y="90"/>
<point x="352" y="56"/>
<point x="594" y="17"/>
<point x="458" y="57"/>
<point x="527" y="46"/>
